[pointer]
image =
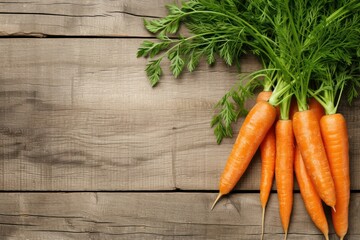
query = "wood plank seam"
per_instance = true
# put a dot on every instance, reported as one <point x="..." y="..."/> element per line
<point x="78" y="16"/>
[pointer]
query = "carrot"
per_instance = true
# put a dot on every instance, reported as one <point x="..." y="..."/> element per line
<point x="284" y="170"/>
<point x="334" y="133"/>
<point x="317" y="108"/>
<point x="313" y="105"/>
<point x="308" y="192"/>
<point x="253" y="130"/>
<point x="264" y="96"/>
<point x="293" y="108"/>
<point x="267" y="151"/>
<point x="308" y="137"/>
<point x="309" y="195"/>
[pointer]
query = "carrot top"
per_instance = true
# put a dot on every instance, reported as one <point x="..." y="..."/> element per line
<point x="337" y="80"/>
<point x="298" y="43"/>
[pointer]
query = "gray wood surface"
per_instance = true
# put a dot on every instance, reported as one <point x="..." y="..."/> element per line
<point x="68" y="216"/>
<point x="119" y="18"/>
<point x="79" y="114"/>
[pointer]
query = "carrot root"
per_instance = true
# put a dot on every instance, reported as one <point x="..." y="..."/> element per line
<point x="267" y="150"/>
<point x="309" y="195"/>
<point x="216" y="200"/>
<point x="336" y="141"/>
<point x="285" y="237"/>
<point x="334" y="209"/>
<point x="252" y="132"/>
<point x="268" y="156"/>
<point x="284" y="168"/>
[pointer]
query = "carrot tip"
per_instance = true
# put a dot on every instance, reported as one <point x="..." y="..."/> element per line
<point x="216" y="200"/>
<point x="342" y="238"/>
<point x="327" y="237"/>
<point x="262" y="223"/>
<point x="285" y="237"/>
<point x="333" y="208"/>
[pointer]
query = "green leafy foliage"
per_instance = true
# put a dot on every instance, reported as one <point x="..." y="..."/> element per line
<point x="176" y="62"/>
<point x="193" y="60"/>
<point x="213" y="34"/>
<point x="352" y="91"/>
<point x="151" y="49"/>
<point x="352" y="85"/>
<point x="232" y="106"/>
<point x="154" y="71"/>
<point x="167" y="25"/>
<point x="312" y="46"/>
<point x="228" y="112"/>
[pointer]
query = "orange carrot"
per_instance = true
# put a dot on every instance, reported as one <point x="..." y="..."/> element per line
<point x="252" y="132"/>
<point x="263" y="96"/>
<point x="313" y="105"/>
<point x="293" y="108"/>
<point x="334" y="133"/>
<point x="308" y="137"/>
<point x="267" y="151"/>
<point x="284" y="170"/>
<point x="309" y="195"/>
<point x="317" y="108"/>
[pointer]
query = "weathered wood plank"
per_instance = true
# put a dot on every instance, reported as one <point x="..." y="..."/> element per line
<point x="152" y="216"/>
<point x="79" y="18"/>
<point x="79" y="114"/>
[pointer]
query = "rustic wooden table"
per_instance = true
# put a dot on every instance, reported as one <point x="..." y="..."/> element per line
<point x="89" y="150"/>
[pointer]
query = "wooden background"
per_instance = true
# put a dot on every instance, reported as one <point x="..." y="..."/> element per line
<point x="89" y="150"/>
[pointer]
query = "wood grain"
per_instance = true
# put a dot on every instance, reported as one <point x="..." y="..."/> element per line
<point x="79" y="114"/>
<point x="152" y="216"/>
<point x="40" y="18"/>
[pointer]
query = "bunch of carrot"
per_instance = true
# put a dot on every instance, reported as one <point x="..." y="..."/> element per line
<point x="307" y="137"/>
<point x="310" y="53"/>
<point x="321" y="138"/>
